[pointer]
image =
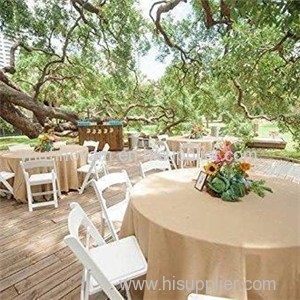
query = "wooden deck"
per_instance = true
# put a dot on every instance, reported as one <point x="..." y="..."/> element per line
<point x="35" y="262"/>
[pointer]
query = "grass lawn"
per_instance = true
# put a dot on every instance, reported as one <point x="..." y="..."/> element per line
<point x="264" y="130"/>
<point x="288" y="152"/>
<point x="22" y="139"/>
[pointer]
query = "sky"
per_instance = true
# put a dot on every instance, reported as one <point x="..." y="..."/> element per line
<point x="148" y="64"/>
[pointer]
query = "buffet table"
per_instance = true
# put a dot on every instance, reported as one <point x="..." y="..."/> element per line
<point x="189" y="235"/>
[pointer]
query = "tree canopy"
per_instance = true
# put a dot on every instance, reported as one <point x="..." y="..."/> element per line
<point x="235" y="60"/>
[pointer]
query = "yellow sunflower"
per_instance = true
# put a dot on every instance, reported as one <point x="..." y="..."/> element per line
<point x="211" y="168"/>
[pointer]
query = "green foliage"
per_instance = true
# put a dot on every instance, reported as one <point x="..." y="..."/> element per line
<point x="259" y="188"/>
<point x="99" y="77"/>
<point x="230" y="185"/>
<point x="237" y="126"/>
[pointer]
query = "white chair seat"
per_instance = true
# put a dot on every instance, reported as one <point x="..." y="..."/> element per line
<point x="41" y="178"/>
<point x="117" y="211"/>
<point x="119" y="261"/>
<point x="7" y="175"/>
<point x="86" y="168"/>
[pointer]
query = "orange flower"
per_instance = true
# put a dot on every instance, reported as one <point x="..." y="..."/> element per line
<point x="227" y="143"/>
<point x="245" y="166"/>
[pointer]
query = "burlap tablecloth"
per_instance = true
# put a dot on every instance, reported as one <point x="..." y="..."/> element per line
<point x="189" y="235"/>
<point x="68" y="159"/>
<point x="206" y="142"/>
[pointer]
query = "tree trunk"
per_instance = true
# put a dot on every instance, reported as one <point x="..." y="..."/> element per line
<point x="14" y="116"/>
<point x="12" y="99"/>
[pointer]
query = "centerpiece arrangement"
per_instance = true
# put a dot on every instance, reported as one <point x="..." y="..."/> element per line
<point x="46" y="141"/>
<point x="198" y="131"/>
<point x="226" y="175"/>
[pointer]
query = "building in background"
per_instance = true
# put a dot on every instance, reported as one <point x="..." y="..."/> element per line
<point x="5" y="46"/>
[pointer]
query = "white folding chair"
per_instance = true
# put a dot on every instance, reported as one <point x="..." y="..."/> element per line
<point x="190" y="153"/>
<point x="116" y="212"/>
<point x="154" y="165"/>
<point x="162" y="137"/>
<point x="4" y="177"/>
<point x="204" y="297"/>
<point x="93" y="168"/>
<point x="19" y="147"/>
<point x="161" y="150"/>
<point x="93" y="148"/>
<point x="105" y="265"/>
<point x="92" y="145"/>
<point x="49" y="177"/>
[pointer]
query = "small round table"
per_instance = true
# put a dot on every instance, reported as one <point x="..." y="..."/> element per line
<point x="68" y="159"/>
<point x="205" y="142"/>
<point x="189" y="235"/>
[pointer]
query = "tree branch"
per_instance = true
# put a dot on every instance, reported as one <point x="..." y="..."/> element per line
<point x="166" y="7"/>
<point x="243" y="106"/>
<point x="46" y="69"/>
<point x="224" y="12"/>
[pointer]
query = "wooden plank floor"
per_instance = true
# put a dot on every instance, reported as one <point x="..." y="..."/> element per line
<point x="35" y="262"/>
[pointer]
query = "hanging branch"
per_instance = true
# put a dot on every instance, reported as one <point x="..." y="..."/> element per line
<point x="243" y="106"/>
<point x="164" y="8"/>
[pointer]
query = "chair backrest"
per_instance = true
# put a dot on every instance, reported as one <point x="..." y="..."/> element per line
<point x="154" y="165"/>
<point x="162" y="137"/>
<point x="19" y="147"/>
<point x="78" y="218"/>
<point x="109" y="180"/>
<point x="159" y="146"/>
<point x="30" y="164"/>
<point x="98" y="158"/>
<point x="105" y="150"/>
<point x="4" y="176"/>
<point x="105" y="182"/>
<point x="162" y="149"/>
<point x="91" y="144"/>
<point x="193" y="151"/>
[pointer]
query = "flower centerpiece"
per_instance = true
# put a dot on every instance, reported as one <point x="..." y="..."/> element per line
<point x="198" y="131"/>
<point x="227" y="175"/>
<point x="46" y="141"/>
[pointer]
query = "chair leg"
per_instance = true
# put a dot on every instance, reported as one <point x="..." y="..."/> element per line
<point x="102" y="226"/>
<point x="29" y="199"/>
<point x="105" y="169"/>
<point x="54" y="193"/>
<point x="127" y="291"/>
<point x="58" y="188"/>
<point x="173" y="162"/>
<point x="87" y="285"/>
<point x="82" y="289"/>
<point x="84" y="184"/>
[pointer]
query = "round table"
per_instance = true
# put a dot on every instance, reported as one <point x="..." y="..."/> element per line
<point x="68" y="159"/>
<point x="206" y="142"/>
<point x="189" y="235"/>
